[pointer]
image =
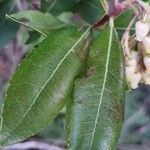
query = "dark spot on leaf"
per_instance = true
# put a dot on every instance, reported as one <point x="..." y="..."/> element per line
<point x="36" y="46"/>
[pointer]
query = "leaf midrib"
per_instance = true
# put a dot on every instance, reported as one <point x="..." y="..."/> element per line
<point x="104" y="82"/>
<point x="71" y="50"/>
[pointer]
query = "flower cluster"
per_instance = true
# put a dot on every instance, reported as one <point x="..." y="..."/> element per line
<point x="137" y="61"/>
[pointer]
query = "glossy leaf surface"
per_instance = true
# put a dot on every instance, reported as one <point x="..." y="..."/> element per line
<point x="95" y="115"/>
<point x="91" y="10"/>
<point x="38" y="20"/>
<point x="39" y="88"/>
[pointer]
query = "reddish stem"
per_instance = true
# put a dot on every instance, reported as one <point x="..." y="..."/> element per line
<point x="118" y="8"/>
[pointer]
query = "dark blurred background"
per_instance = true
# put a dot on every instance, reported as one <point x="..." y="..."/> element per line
<point x="16" y="41"/>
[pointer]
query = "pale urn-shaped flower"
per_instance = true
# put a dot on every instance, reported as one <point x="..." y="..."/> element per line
<point x="136" y="78"/>
<point x="142" y="29"/>
<point x="146" y="61"/>
<point x="146" y="43"/>
<point x="130" y="71"/>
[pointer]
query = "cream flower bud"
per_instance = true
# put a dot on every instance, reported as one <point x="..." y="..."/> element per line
<point x="134" y="54"/>
<point x="134" y="83"/>
<point x="142" y="30"/>
<point x="146" y="43"/>
<point x="147" y="62"/>
<point x="132" y="62"/>
<point x="130" y="71"/>
<point x="146" y="77"/>
<point x="147" y="18"/>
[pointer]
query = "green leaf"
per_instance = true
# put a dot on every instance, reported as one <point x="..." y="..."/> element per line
<point x="59" y="6"/>
<point x="38" y="20"/>
<point x="95" y="115"/>
<point x="122" y="21"/>
<point x="55" y="130"/>
<point x="41" y="84"/>
<point x="66" y="17"/>
<point x="148" y="1"/>
<point x="91" y="10"/>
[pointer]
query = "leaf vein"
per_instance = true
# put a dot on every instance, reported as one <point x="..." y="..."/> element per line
<point x="55" y="70"/>
<point x="104" y="82"/>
